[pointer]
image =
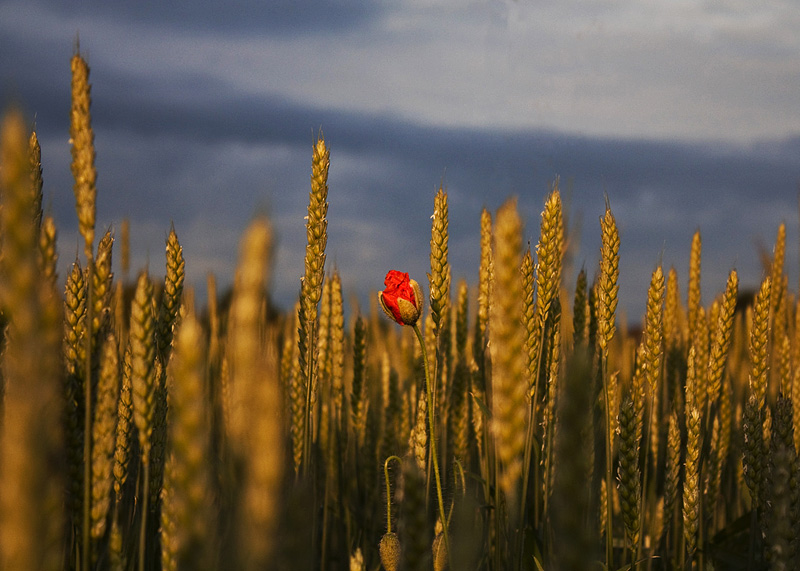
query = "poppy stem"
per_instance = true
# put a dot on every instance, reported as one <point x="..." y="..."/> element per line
<point x="432" y="440"/>
<point x="389" y="492"/>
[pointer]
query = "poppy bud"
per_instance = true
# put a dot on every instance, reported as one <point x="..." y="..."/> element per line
<point x="402" y="298"/>
<point x="389" y="550"/>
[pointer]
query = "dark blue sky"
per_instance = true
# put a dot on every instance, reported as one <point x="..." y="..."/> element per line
<point x="685" y="116"/>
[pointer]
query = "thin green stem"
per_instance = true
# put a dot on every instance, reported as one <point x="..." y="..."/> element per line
<point x="388" y="492"/>
<point x="432" y="440"/>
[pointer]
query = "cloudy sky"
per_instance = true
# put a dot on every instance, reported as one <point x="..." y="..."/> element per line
<point x="684" y="113"/>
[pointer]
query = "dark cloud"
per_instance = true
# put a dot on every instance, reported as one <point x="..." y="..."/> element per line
<point x="193" y="150"/>
<point x="275" y="17"/>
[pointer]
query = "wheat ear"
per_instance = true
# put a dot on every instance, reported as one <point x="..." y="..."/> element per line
<point x="103" y="436"/>
<point x="507" y="339"/>
<point x="143" y="385"/>
<point x="31" y="517"/>
<point x="606" y="303"/>
<point x="759" y="340"/>
<point x="693" y="299"/>
<point x="439" y="277"/>
<point x="187" y="480"/>
<point x="311" y="284"/>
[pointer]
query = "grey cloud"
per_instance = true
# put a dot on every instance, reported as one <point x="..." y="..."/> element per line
<point x="190" y="149"/>
<point x="241" y="16"/>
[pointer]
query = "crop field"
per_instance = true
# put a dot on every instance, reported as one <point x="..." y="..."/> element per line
<point x="512" y="424"/>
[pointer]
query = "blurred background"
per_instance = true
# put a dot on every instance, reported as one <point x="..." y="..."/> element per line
<point x="684" y="114"/>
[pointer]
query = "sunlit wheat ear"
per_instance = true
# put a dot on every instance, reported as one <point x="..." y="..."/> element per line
<point x="324" y="365"/>
<point x="102" y="279"/>
<point x="778" y="289"/>
<point x="507" y="347"/>
<point x="418" y="442"/>
<point x="691" y="482"/>
<point x="31" y="510"/>
<point x="759" y="340"/>
<point x="103" y="436"/>
<point x="187" y="501"/>
<point x="35" y="172"/>
<point x="74" y="380"/>
<point x="83" y="153"/>
<point x="607" y="285"/>
<point x="75" y="324"/>
<point x="722" y="335"/>
<point x="485" y="277"/>
<point x="142" y="339"/>
<point x="782" y="358"/>
<point x="171" y="296"/>
<point x="311" y="283"/>
<point x="580" y="310"/>
<point x="296" y="392"/>
<point x="122" y="447"/>
<point x="337" y="345"/>
<point x="628" y="473"/>
<point x="754" y="452"/>
<point x="781" y="490"/>
<point x="654" y="331"/>
<point x="673" y="465"/>
<point x="47" y="249"/>
<point x="439" y="276"/>
<point x="549" y="253"/>
<point x="529" y="318"/>
<point x="693" y="297"/>
<point x="605" y="304"/>
<point x="245" y="342"/>
<point x="711" y="467"/>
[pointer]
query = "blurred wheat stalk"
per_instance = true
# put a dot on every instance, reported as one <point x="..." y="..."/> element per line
<point x="140" y="432"/>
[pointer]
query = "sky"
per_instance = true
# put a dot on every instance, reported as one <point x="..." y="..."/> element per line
<point x="682" y="114"/>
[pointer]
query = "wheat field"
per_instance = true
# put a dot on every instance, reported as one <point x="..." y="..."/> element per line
<point x="505" y="425"/>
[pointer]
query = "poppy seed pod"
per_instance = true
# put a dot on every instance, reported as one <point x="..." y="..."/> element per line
<point x="401" y="300"/>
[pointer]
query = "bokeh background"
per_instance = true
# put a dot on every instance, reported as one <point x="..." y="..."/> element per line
<point x="683" y="113"/>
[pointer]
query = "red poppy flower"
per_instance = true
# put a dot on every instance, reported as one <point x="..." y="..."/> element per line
<point x="402" y="298"/>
